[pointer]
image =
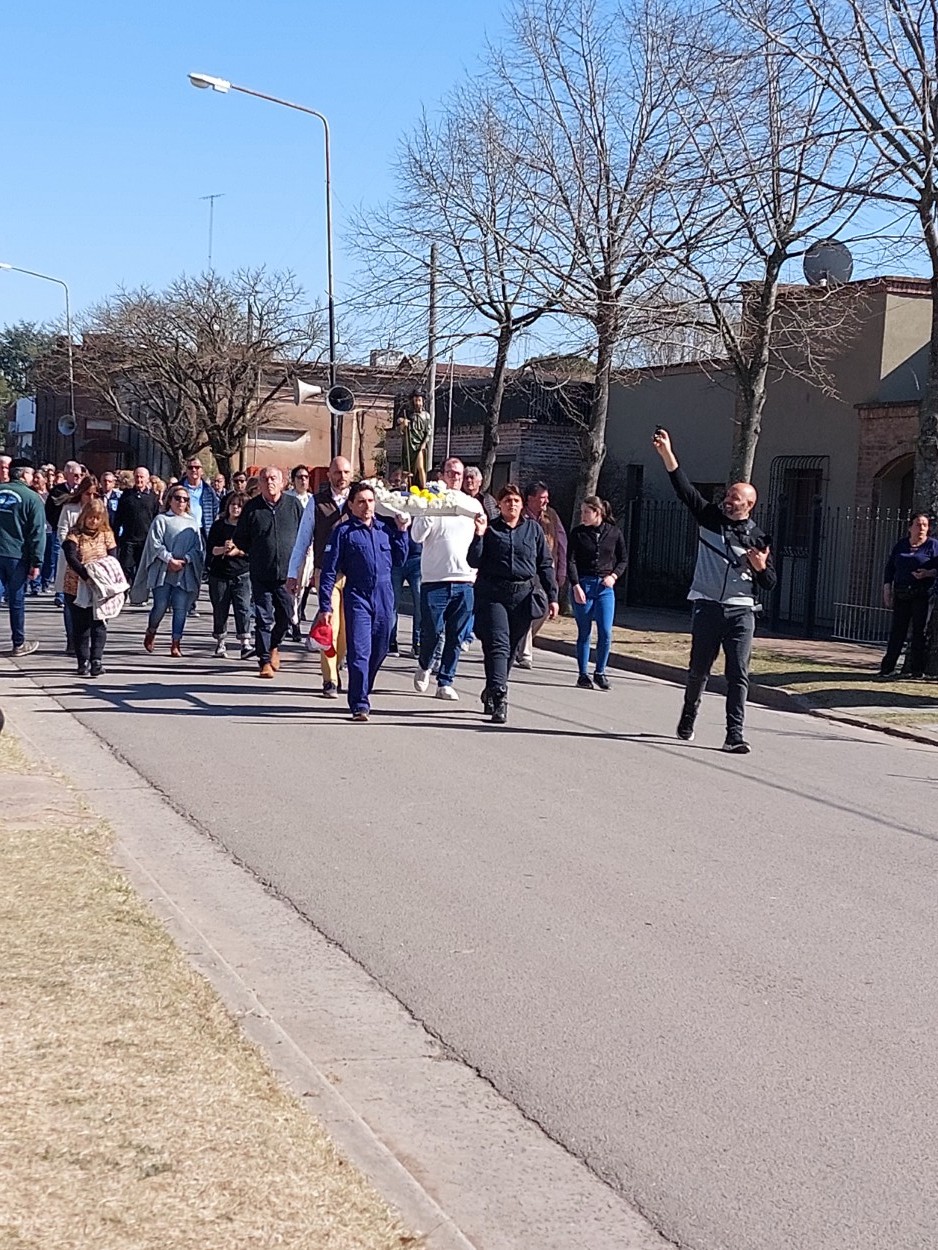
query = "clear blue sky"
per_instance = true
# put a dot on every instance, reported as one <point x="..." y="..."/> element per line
<point x="108" y="147"/>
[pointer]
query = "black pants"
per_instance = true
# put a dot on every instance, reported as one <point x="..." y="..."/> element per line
<point x="716" y="625"/>
<point x="502" y="618"/>
<point x="906" y="612"/>
<point x="273" y="611"/>
<point x="88" y="635"/>
<point x="227" y="594"/>
<point x="129" y="554"/>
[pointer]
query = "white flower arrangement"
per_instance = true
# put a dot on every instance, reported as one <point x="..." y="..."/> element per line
<point x="433" y="501"/>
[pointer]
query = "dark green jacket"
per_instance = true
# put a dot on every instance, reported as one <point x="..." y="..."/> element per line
<point x="22" y="524"/>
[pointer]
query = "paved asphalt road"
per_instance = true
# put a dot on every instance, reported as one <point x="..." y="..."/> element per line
<point x="712" y="977"/>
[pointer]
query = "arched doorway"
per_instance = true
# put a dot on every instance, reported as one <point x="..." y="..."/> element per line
<point x="892" y="486"/>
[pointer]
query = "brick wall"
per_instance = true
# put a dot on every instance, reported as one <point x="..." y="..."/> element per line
<point x="887" y="431"/>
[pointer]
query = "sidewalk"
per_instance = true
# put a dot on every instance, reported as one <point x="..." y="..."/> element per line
<point x="816" y="676"/>
<point x="133" y="1112"/>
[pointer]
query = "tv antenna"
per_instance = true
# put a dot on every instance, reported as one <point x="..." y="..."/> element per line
<point x="211" y="220"/>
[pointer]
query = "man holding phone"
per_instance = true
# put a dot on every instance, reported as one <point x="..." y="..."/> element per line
<point x="732" y="556"/>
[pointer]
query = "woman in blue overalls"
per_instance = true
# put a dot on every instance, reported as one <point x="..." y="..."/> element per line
<point x="363" y="547"/>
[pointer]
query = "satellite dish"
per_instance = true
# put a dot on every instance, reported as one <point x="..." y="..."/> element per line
<point x="67" y="425"/>
<point x="828" y="263"/>
<point x="339" y="400"/>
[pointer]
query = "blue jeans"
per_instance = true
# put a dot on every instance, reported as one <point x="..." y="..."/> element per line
<point x="600" y="607"/>
<point x="13" y="572"/>
<point x="408" y="572"/>
<point x="170" y="596"/>
<point x="445" y="607"/>
<point x="51" y="555"/>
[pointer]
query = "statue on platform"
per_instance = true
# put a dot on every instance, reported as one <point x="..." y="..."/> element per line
<point x="415" y="438"/>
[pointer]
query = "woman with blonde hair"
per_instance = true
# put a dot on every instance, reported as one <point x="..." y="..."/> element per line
<point x="170" y="567"/>
<point x="90" y="538"/>
<point x="86" y="490"/>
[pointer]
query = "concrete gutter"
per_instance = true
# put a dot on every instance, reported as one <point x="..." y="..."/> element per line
<point x="776" y="697"/>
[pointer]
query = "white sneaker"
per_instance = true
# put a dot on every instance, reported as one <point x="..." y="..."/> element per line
<point x="464" y="646"/>
<point x="447" y="692"/>
<point x="221" y="652"/>
<point x="422" y="680"/>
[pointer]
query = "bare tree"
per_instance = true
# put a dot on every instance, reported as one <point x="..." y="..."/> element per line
<point x="879" y="59"/>
<point x="200" y="364"/>
<point x="460" y="189"/>
<point x="585" y="81"/>
<point x="770" y="147"/>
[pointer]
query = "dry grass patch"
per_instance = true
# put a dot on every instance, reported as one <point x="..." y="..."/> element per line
<point x="133" y="1114"/>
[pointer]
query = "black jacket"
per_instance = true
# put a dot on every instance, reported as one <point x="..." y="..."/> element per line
<point x="506" y="556"/>
<point x="228" y="568"/>
<point x="595" y="551"/>
<point x="134" y="516"/>
<point x="267" y="533"/>
<point x="54" y="501"/>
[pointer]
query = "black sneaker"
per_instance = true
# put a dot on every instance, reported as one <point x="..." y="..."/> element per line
<point x="394" y="649"/>
<point x="736" y="744"/>
<point x="329" y="690"/>
<point x="84" y="670"/>
<point x="296" y="634"/>
<point x="583" y="682"/>
<point x="488" y="701"/>
<point x="97" y="670"/>
<point x="685" y="727"/>
<point x="600" y="681"/>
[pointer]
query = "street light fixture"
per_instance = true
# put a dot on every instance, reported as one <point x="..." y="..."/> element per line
<point x="45" y="277"/>
<point x="206" y="81"/>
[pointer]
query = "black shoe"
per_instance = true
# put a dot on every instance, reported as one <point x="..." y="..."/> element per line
<point x="499" y="708"/>
<point x="415" y="652"/>
<point x="394" y="649"/>
<point x="97" y="670"/>
<point x="330" y="690"/>
<point x="488" y="701"/>
<point x="685" y="727"/>
<point x="84" y="670"/>
<point x="583" y="682"/>
<point x="296" y="634"/>
<point x="600" y="681"/>
<point x="736" y="744"/>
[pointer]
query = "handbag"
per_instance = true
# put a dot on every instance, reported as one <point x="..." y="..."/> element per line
<point x="540" y="604"/>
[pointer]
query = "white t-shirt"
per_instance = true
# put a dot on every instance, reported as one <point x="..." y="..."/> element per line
<point x="446" y="541"/>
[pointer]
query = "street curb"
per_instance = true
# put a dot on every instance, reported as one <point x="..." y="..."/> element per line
<point x="776" y="697"/>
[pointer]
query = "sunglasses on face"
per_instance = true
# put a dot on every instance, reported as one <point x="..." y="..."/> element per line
<point x="179" y="498"/>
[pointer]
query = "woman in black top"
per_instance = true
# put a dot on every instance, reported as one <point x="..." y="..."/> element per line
<point x="229" y="583"/>
<point x="596" y="559"/>
<point x="515" y="570"/>
<point x="907" y="586"/>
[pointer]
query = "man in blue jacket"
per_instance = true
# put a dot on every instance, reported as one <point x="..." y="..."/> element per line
<point x="732" y="557"/>
<point x="364" y="548"/>
<point x="22" y="544"/>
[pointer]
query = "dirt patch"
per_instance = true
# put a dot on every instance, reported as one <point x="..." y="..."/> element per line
<point x="133" y="1114"/>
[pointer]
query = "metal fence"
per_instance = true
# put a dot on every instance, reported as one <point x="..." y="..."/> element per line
<point x="829" y="563"/>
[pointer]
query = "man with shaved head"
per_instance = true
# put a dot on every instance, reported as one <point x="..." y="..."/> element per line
<point x="266" y="532"/>
<point x="732" y="558"/>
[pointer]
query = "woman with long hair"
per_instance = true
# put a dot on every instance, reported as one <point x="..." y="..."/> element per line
<point x="229" y="582"/>
<point x="86" y="490"/>
<point x="515" y="585"/>
<point x="90" y="538"/>
<point x="596" y="559"/>
<point x="908" y="581"/>
<point x="170" y="567"/>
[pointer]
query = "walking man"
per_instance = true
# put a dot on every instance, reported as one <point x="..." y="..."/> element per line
<point x="732" y="556"/>
<point x="446" y="598"/>
<point x="327" y="508"/>
<point x="136" y="509"/>
<point x="266" y="532"/>
<point x="22" y="544"/>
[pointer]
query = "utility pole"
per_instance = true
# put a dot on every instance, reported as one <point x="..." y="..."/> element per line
<point x="211" y="221"/>
<point x="431" y="358"/>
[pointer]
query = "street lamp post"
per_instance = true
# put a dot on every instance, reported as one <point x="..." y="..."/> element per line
<point x="206" y="81"/>
<point x="31" y="273"/>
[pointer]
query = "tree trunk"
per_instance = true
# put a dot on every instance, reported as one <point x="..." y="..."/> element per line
<point x="747" y="431"/>
<point x="593" y="440"/>
<point x="490" y="433"/>
<point x="761" y="315"/>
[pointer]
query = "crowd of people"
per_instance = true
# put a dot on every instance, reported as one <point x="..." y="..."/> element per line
<point x="494" y="569"/>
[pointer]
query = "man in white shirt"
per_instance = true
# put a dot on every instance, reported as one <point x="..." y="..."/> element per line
<point x="299" y="487"/>
<point x="446" y="591"/>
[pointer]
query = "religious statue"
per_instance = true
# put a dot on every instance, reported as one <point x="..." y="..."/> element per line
<point x="415" y="439"/>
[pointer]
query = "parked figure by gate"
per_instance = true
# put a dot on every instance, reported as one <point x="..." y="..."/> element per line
<point x="907" y="585"/>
